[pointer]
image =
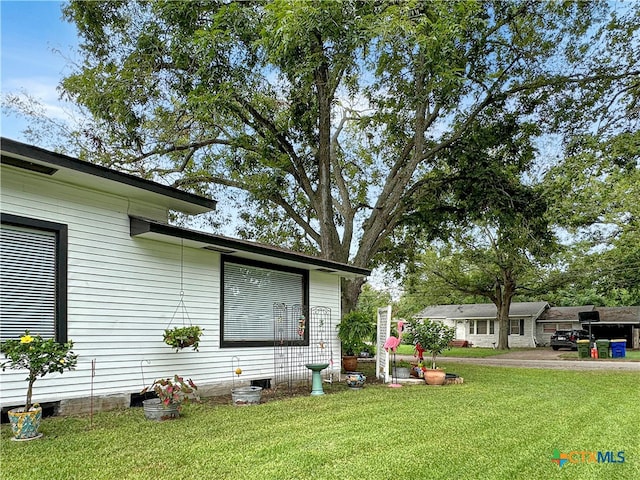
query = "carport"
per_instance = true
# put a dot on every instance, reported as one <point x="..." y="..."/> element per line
<point x="618" y="323"/>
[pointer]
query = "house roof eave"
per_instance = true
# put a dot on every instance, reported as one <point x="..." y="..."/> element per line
<point x="79" y="172"/>
<point x="230" y="247"/>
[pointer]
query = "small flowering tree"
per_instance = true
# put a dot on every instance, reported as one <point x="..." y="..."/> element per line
<point x="38" y="356"/>
<point x="433" y="337"/>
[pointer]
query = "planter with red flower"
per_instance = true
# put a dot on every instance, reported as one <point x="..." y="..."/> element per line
<point x="171" y="394"/>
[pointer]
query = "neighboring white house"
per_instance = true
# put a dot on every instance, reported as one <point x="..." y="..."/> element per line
<point x="532" y="323"/>
<point x="88" y="255"/>
<point x="477" y="322"/>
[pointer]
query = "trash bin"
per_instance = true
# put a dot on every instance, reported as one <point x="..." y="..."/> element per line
<point x="618" y="348"/>
<point x="603" y="348"/>
<point x="583" y="348"/>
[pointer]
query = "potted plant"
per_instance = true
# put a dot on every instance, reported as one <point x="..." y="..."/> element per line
<point x="171" y="394"/>
<point x="432" y="337"/>
<point x="402" y="369"/>
<point x="353" y="331"/>
<point x="182" y="337"/>
<point x="39" y="357"/>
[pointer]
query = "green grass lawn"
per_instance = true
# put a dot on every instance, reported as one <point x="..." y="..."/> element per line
<point x="502" y="423"/>
<point x="456" y="352"/>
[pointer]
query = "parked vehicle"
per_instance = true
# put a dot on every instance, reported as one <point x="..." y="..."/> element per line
<point x="568" y="339"/>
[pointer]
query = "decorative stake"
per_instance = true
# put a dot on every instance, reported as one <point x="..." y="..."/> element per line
<point x="238" y="371"/>
<point x="93" y="374"/>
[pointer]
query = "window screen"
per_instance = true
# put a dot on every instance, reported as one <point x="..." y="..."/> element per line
<point x="250" y="292"/>
<point x="28" y="291"/>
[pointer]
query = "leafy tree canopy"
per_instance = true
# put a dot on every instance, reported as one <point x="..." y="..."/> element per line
<point x="594" y="195"/>
<point x="327" y="122"/>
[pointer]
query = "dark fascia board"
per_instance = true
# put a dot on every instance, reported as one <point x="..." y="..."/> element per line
<point x="50" y="158"/>
<point x="141" y="226"/>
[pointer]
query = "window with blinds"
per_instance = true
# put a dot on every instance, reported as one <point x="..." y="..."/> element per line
<point x="30" y="279"/>
<point x="249" y="293"/>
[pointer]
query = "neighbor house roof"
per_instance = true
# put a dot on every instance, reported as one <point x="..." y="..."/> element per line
<point x="610" y="315"/>
<point x="619" y="314"/>
<point x="563" y="314"/>
<point x="72" y="170"/>
<point x="473" y="311"/>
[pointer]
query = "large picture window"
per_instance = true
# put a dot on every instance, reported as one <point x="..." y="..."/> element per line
<point x="249" y="293"/>
<point x="33" y="286"/>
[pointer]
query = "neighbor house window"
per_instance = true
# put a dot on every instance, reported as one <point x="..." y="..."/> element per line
<point x="549" y="327"/>
<point x="479" y="327"/>
<point x="516" y="327"/>
<point x="33" y="286"/>
<point x="250" y="291"/>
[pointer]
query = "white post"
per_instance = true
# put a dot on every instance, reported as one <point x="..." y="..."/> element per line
<point x="382" y="356"/>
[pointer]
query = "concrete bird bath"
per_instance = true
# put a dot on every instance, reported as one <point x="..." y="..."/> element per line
<point x="316" y="385"/>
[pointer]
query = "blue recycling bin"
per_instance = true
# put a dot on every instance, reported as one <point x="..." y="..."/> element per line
<point x="618" y="348"/>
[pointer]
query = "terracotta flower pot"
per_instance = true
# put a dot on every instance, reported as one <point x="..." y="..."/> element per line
<point x="350" y="363"/>
<point x="434" y="377"/>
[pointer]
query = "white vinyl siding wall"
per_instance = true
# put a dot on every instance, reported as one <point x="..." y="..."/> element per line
<point x="122" y="293"/>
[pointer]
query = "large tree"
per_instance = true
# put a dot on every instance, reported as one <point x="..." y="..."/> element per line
<point x="320" y="119"/>
<point x="594" y="192"/>
<point x="492" y="225"/>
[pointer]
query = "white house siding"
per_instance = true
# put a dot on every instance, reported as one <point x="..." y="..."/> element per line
<point x="525" y="340"/>
<point x="122" y="294"/>
<point x="490" y="341"/>
<point x="325" y="292"/>
<point x="485" y="341"/>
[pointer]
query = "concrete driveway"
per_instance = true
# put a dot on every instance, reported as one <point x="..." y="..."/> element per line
<point x="543" y="358"/>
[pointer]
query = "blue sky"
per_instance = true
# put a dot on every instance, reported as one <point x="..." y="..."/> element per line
<point x="37" y="48"/>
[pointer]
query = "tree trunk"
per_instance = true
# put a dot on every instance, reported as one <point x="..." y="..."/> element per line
<point x="27" y="405"/>
<point x="351" y="289"/>
<point x="504" y="293"/>
<point x="503" y="325"/>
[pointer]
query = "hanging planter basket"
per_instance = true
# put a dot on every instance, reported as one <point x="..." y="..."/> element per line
<point x="183" y="337"/>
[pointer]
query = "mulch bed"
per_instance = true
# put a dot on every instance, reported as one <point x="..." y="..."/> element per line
<point x="283" y="391"/>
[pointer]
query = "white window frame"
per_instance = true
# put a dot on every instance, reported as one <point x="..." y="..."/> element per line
<point x="489" y="324"/>
<point x="516" y="326"/>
